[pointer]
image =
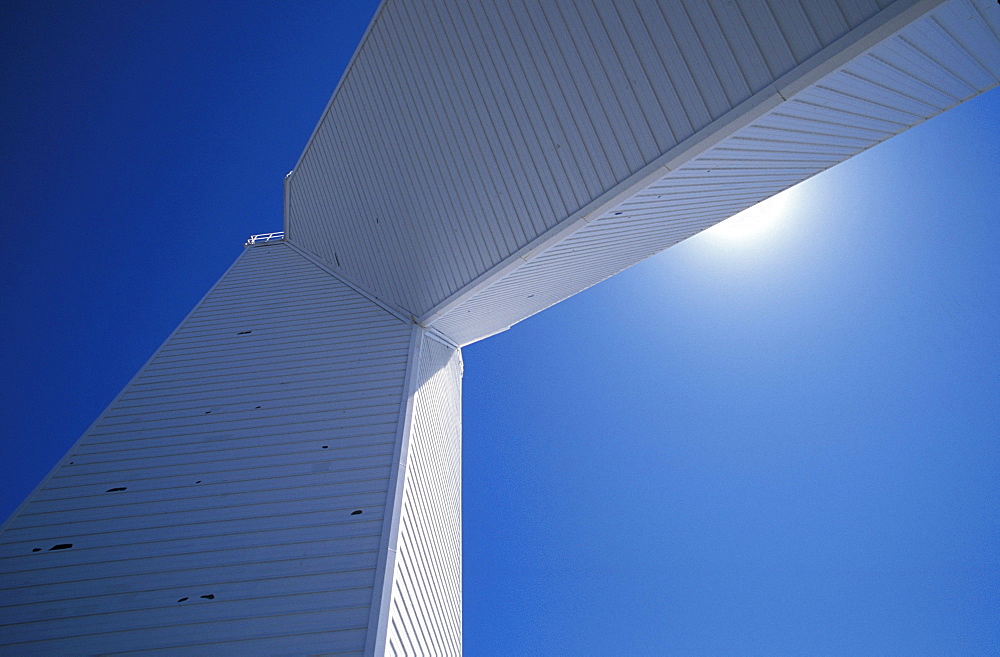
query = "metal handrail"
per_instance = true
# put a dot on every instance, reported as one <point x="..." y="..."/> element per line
<point x="266" y="237"/>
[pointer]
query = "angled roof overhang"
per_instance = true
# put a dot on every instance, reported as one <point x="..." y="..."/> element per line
<point x="481" y="161"/>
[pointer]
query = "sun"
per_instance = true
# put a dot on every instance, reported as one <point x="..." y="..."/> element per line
<point x="756" y="221"/>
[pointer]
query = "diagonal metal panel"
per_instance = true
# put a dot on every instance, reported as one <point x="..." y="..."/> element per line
<point x="211" y="507"/>
<point x="465" y="131"/>
<point x="946" y="57"/>
<point x="470" y="211"/>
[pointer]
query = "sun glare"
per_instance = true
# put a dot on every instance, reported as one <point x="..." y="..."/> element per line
<point x="756" y="221"/>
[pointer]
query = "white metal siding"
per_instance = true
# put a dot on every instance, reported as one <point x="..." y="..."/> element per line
<point x="465" y="130"/>
<point x="242" y="449"/>
<point x="946" y="57"/>
<point x="464" y="133"/>
<point x="425" y="609"/>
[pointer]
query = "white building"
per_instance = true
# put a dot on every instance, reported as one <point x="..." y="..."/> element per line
<point x="477" y="164"/>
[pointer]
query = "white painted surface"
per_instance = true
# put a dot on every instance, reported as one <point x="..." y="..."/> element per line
<point x="242" y="449"/>
<point x="425" y="607"/>
<point x="464" y="130"/>
<point x="479" y="162"/>
<point x="472" y="163"/>
<point x="243" y="456"/>
<point x="946" y="57"/>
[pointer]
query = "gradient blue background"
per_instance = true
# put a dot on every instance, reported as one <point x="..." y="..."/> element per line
<point x="784" y="445"/>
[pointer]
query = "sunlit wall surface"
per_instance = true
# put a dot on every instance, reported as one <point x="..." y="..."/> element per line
<point x="920" y="78"/>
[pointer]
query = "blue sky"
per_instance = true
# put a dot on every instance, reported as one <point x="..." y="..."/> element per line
<point x="783" y="444"/>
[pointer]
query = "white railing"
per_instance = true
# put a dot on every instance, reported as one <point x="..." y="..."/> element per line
<point x="266" y="237"/>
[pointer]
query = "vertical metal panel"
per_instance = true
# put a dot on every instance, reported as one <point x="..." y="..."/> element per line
<point x="463" y="131"/>
<point x="946" y="57"/>
<point x="425" y="611"/>
<point x="212" y="506"/>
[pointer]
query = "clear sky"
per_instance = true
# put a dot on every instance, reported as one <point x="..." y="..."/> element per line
<point x="780" y="443"/>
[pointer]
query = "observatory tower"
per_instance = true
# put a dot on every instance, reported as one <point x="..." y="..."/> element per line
<point x="284" y="475"/>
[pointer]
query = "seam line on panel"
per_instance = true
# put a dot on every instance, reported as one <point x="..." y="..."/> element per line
<point x="396" y="311"/>
<point x="385" y="569"/>
<point x="764" y="100"/>
<point x="826" y="61"/>
<point x="438" y="336"/>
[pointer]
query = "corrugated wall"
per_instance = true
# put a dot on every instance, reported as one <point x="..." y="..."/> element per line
<point x="946" y="57"/>
<point x="425" y="607"/>
<point x="213" y="508"/>
<point x="465" y="130"/>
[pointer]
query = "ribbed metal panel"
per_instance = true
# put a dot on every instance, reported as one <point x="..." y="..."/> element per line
<point x="935" y="63"/>
<point x="463" y="130"/>
<point x="211" y="508"/>
<point x="425" y="610"/>
<point x="479" y="162"/>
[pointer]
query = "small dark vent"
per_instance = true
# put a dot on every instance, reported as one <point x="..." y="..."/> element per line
<point x="357" y="512"/>
<point x="116" y="490"/>
<point x="182" y="599"/>
<point x="61" y="546"/>
<point x="210" y="596"/>
<point x="36" y="549"/>
<point x="244" y="333"/>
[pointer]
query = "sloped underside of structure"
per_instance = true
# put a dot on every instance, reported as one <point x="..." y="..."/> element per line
<point x="284" y="475"/>
<point x="482" y="161"/>
<point x="233" y="498"/>
<point x="283" y="478"/>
